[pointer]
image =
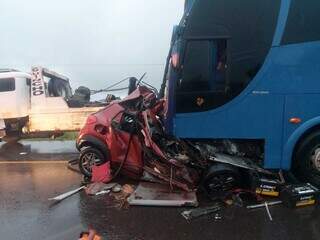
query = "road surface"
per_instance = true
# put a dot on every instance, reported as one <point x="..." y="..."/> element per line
<point x="32" y="172"/>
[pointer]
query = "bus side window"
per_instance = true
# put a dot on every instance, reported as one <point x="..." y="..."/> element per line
<point x="204" y="67"/>
<point x="220" y="69"/>
<point x="196" y="72"/>
<point x="203" y="80"/>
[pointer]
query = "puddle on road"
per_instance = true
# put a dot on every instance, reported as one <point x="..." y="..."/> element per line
<point x="33" y="149"/>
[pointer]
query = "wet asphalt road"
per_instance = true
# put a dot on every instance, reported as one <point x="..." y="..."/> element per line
<point x="32" y="172"/>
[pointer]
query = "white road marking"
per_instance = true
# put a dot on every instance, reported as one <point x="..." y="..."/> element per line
<point x="33" y="162"/>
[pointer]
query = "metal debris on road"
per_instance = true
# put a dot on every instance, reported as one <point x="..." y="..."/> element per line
<point x="195" y="213"/>
<point x="268" y="211"/>
<point x="262" y="204"/>
<point x="154" y="194"/>
<point x="66" y="195"/>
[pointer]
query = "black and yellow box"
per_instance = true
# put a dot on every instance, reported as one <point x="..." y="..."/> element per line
<point x="268" y="187"/>
<point x="299" y="195"/>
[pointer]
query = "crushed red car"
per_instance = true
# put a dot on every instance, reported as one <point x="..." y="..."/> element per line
<point x="129" y="134"/>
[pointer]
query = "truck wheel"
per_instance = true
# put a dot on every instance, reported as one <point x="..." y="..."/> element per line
<point x="221" y="178"/>
<point x="89" y="157"/>
<point x="307" y="159"/>
<point x="12" y="137"/>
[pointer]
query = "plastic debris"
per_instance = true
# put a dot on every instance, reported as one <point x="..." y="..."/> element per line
<point x="102" y="192"/>
<point x="117" y="188"/>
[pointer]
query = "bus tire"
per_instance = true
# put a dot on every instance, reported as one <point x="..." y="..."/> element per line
<point x="306" y="164"/>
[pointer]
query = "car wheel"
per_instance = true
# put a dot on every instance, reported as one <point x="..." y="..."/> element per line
<point x="90" y="157"/>
<point x="307" y="159"/>
<point x="220" y="179"/>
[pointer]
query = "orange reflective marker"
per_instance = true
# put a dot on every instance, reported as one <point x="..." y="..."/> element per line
<point x="295" y="120"/>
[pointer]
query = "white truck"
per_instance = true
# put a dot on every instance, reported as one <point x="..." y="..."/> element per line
<point x="39" y="104"/>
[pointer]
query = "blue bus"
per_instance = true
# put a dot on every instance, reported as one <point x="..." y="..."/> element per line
<point x="246" y="74"/>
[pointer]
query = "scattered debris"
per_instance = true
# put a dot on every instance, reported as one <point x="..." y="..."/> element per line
<point x="147" y="177"/>
<point x="266" y="205"/>
<point x="217" y="217"/>
<point x="299" y="195"/>
<point x="66" y="195"/>
<point x="268" y="211"/>
<point x="228" y="202"/>
<point x="268" y="185"/>
<point x="94" y="188"/>
<point x="122" y="196"/>
<point x="238" y="196"/>
<point x="237" y="200"/>
<point x="263" y="204"/>
<point x="154" y="194"/>
<point x="117" y="188"/>
<point x="127" y="190"/>
<point x="102" y="192"/>
<point x="195" y="213"/>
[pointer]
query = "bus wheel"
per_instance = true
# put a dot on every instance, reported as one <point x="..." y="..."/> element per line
<point x="307" y="159"/>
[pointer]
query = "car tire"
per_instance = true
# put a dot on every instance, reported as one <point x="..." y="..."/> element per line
<point x="306" y="164"/>
<point x="90" y="156"/>
<point x="220" y="178"/>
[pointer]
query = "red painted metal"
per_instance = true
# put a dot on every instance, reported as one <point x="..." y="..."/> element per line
<point x="133" y="149"/>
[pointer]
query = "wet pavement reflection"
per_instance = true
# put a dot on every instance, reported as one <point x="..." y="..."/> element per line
<point x="37" y="150"/>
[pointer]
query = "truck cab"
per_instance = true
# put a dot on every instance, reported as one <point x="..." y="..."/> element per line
<point x="248" y="72"/>
<point x="38" y="104"/>
<point x="15" y="99"/>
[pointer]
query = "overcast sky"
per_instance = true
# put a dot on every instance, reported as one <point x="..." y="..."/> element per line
<point x="94" y="42"/>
